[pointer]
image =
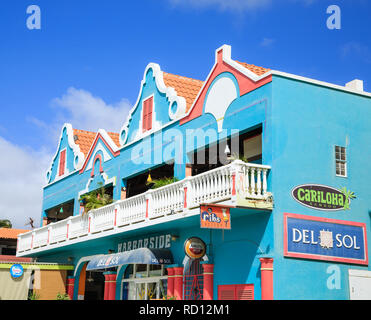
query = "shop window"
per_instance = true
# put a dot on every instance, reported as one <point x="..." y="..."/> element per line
<point x="193" y="281"/>
<point x="147" y="114"/>
<point x="62" y="162"/>
<point x="236" y="292"/>
<point x="144" y="282"/>
<point x="341" y="161"/>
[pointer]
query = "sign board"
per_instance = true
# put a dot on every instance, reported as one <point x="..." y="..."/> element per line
<point x="325" y="239"/>
<point x="194" y="248"/>
<point x="322" y="197"/>
<point x="215" y="217"/>
<point x="16" y="271"/>
<point x="155" y="242"/>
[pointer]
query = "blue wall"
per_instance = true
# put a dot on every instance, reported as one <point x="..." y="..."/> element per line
<point x="307" y="122"/>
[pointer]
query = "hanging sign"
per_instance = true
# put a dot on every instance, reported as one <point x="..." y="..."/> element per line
<point x="194" y="248"/>
<point x="322" y="197"/>
<point x="215" y="217"/>
<point x="325" y="239"/>
<point x="16" y="271"/>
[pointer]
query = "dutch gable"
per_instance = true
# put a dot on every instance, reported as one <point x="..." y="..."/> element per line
<point x="68" y="157"/>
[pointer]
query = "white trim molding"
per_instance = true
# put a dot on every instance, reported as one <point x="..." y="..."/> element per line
<point x="78" y="158"/>
<point x="170" y="93"/>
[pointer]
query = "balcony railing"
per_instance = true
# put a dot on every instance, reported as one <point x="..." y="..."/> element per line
<point x="217" y="185"/>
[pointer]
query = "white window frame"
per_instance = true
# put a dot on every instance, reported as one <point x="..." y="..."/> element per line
<point x="341" y="161"/>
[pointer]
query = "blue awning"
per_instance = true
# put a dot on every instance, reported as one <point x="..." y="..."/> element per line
<point x="139" y="256"/>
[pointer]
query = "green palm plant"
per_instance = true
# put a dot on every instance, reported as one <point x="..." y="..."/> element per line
<point x="348" y="196"/>
<point x="158" y="183"/>
<point x="95" y="199"/>
<point x="5" y="223"/>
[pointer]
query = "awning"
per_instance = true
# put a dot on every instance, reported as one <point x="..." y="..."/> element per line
<point x="139" y="256"/>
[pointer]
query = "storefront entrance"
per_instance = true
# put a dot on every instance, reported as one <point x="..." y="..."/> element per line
<point x="144" y="282"/>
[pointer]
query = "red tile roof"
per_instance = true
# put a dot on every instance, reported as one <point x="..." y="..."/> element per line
<point x="257" y="70"/>
<point x="8" y="233"/>
<point x="84" y="139"/>
<point x="185" y="87"/>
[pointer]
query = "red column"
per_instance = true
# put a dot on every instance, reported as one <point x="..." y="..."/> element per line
<point x="178" y="283"/>
<point x="266" y="269"/>
<point x="208" y="274"/>
<point x="70" y="286"/>
<point x="109" y="285"/>
<point x="170" y="282"/>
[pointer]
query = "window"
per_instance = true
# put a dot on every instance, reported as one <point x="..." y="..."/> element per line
<point x="62" y="162"/>
<point x="341" y="161"/>
<point x="236" y="292"/>
<point x="147" y="114"/>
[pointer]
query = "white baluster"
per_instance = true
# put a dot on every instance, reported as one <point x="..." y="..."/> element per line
<point x="252" y="181"/>
<point x="259" y="182"/>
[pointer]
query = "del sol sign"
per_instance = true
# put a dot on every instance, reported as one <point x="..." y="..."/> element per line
<point x="325" y="239"/>
<point x="322" y="197"/>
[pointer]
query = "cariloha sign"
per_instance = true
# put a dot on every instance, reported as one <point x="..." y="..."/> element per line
<point x="325" y="239"/>
<point x="322" y="197"/>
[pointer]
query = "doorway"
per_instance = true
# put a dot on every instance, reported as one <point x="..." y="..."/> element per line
<point x="144" y="282"/>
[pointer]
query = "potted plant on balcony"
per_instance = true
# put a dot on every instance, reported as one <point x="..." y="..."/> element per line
<point x="95" y="199"/>
<point x="158" y="183"/>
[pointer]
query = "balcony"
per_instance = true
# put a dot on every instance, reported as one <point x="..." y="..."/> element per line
<point x="237" y="184"/>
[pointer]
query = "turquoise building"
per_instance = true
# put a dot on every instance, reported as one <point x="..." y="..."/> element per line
<point x="252" y="184"/>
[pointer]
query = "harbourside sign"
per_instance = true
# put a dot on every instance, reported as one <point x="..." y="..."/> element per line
<point x="155" y="242"/>
<point x="322" y="197"/>
<point x="325" y="239"/>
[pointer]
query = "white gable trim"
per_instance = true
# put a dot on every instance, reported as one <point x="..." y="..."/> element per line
<point x="170" y="93"/>
<point x="78" y="155"/>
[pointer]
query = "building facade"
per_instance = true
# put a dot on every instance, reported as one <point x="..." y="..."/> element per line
<point x="251" y="184"/>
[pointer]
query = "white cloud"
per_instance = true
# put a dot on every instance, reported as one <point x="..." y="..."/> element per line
<point x="83" y="111"/>
<point x="230" y="5"/>
<point x="267" y="42"/>
<point x="87" y="112"/>
<point x="22" y="173"/>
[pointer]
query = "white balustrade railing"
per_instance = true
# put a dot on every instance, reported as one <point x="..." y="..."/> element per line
<point x="254" y="181"/>
<point x="131" y="210"/>
<point x="58" y="231"/>
<point x="41" y="237"/>
<point x="78" y="227"/>
<point x="167" y="200"/>
<point x="211" y="186"/>
<point x="220" y="184"/>
<point x="102" y="219"/>
<point x="25" y="242"/>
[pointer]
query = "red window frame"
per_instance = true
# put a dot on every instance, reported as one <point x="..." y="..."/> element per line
<point x="62" y="162"/>
<point x="147" y="114"/>
<point x="236" y="292"/>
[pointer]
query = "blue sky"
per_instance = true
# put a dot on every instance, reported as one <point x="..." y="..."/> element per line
<point x="85" y="64"/>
